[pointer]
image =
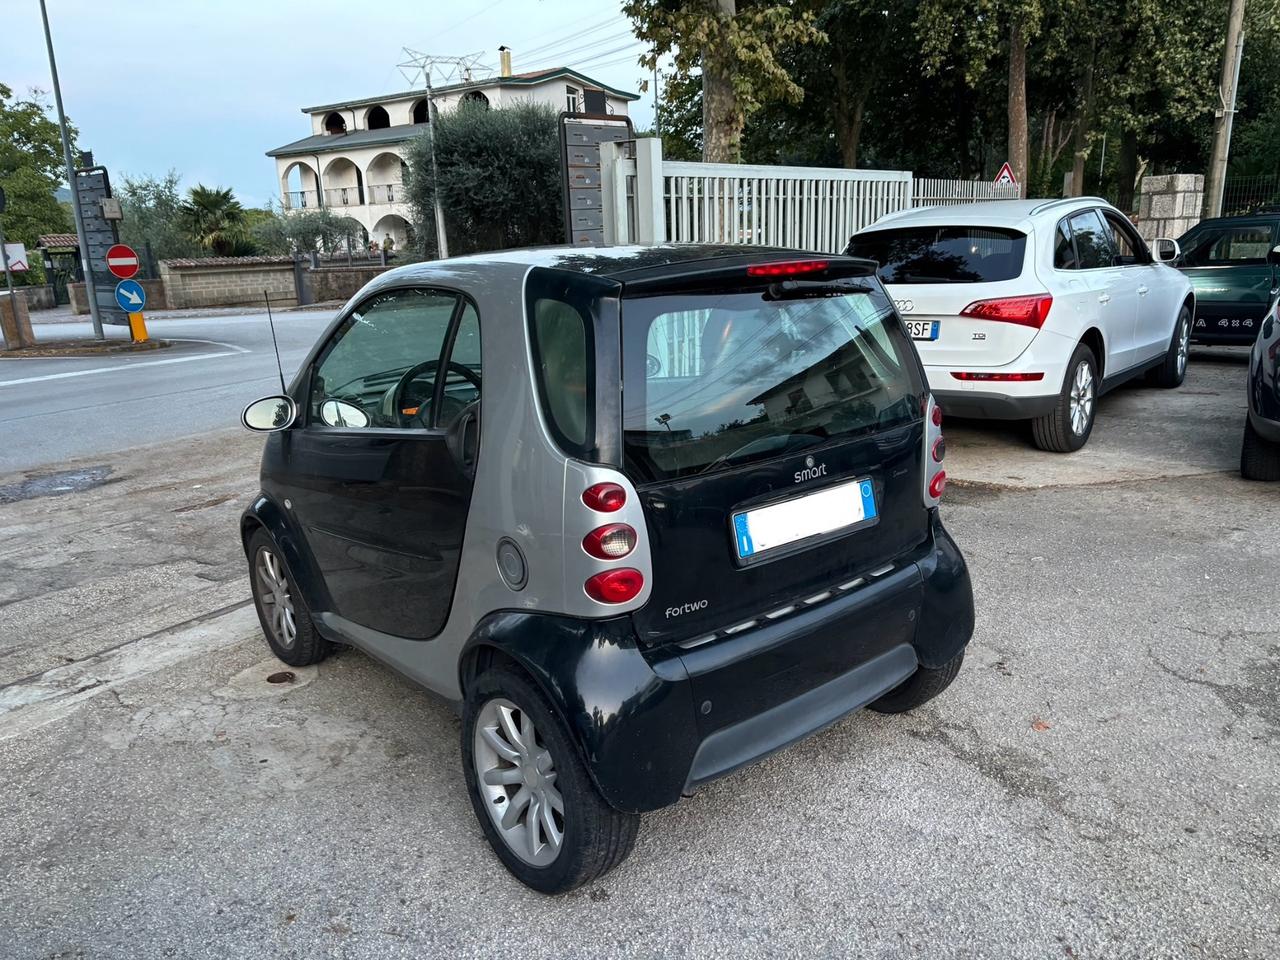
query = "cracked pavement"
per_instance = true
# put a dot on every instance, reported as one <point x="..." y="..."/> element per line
<point x="1100" y="782"/>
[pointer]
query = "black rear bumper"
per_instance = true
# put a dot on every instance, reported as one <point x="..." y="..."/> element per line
<point x="993" y="406"/>
<point x="654" y="724"/>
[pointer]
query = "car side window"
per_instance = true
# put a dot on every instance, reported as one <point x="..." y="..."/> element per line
<point x="1129" y="248"/>
<point x="562" y="364"/>
<point x="1064" y="251"/>
<point x="1229" y="246"/>
<point x="380" y="367"/>
<point x="1093" y="241"/>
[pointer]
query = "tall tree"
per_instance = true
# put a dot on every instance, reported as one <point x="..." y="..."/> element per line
<point x="734" y="44"/>
<point x="214" y="219"/>
<point x="31" y="170"/>
<point x="152" y="208"/>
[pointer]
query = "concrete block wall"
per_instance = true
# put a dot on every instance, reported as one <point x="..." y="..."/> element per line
<point x="227" y="281"/>
<point x="156" y="299"/>
<point x="341" y="283"/>
<point x="15" y="320"/>
<point x="1169" y="204"/>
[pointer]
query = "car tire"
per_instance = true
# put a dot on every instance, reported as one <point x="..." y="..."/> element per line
<point x="1173" y="370"/>
<point x="499" y="767"/>
<point x="1259" y="458"/>
<point x="921" y="687"/>
<point x="1067" y="426"/>
<point x="286" y="621"/>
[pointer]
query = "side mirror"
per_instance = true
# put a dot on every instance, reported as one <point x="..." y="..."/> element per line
<point x="1273" y="257"/>
<point x="270" y="414"/>
<point x="1165" y="250"/>
<point x="339" y="413"/>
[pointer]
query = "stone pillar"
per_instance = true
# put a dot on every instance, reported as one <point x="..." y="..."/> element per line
<point x="16" y="320"/>
<point x="1169" y="205"/>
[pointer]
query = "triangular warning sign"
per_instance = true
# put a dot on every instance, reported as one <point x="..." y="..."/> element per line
<point x="1005" y="177"/>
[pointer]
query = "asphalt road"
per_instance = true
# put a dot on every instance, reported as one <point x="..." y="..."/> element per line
<point x="53" y="410"/>
<point x="1100" y="781"/>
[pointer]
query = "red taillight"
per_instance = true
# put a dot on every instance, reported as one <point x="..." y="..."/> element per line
<point x="939" y="450"/>
<point x="615" y="586"/>
<point x="937" y="415"/>
<point x="998" y="377"/>
<point x="1028" y="311"/>
<point x="610" y="542"/>
<point x="605" y="497"/>
<point x="938" y="484"/>
<point x="786" y="268"/>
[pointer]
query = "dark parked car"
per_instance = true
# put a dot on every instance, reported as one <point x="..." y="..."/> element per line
<point x="648" y="514"/>
<point x="1260" y="455"/>
<point x="1226" y="260"/>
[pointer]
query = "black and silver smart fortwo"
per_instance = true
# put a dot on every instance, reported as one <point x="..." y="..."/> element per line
<point x="648" y="513"/>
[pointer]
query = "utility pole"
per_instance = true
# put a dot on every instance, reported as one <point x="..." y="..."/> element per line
<point x="657" y="106"/>
<point x="8" y="282"/>
<point x="90" y="291"/>
<point x="1227" y="88"/>
<point x="442" y="242"/>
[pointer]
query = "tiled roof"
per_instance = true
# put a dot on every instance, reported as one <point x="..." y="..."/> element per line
<point x="55" y="241"/>
<point x="328" y="142"/>
<point x="226" y="261"/>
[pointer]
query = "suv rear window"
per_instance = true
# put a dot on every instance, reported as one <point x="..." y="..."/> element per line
<point x="718" y="380"/>
<point x="943" y="254"/>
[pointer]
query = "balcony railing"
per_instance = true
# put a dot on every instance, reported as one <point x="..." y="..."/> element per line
<point x="342" y="197"/>
<point x="386" y="193"/>
<point x="301" y="200"/>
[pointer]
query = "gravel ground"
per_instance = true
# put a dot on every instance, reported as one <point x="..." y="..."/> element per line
<point x="1100" y="781"/>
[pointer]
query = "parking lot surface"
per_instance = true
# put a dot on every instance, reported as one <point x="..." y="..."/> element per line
<point x="1100" y="781"/>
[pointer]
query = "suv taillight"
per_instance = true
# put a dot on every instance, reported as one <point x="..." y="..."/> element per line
<point x="1029" y="311"/>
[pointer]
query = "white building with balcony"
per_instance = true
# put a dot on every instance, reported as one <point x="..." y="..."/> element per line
<point x="353" y="162"/>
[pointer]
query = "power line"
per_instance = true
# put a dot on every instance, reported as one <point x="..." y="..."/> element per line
<point x="574" y="38"/>
<point x="612" y="18"/>
<point x="570" y="61"/>
<point x="455" y="26"/>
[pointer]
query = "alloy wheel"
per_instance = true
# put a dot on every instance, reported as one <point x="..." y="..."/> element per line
<point x="1082" y="398"/>
<point x="1184" y="344"/>
<point x="516" y="777"/>
<point x="276" y="598"/>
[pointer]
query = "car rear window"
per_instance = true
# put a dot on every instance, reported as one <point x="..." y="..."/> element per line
<point x="943" y="254"/>
<point x="719" y="380"/>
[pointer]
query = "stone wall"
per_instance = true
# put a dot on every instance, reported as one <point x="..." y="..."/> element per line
<point x="156" y="298"/>
<point x="1169" y="205"/>
<point x="38" y="298"/>
<point x="15" y="321"/>
<point x="341" y="283"/>
<point x="227" y="281"/>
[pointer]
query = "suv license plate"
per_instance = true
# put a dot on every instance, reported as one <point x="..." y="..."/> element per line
<point x="922" y="329"/>
<point x="824" y="511"/>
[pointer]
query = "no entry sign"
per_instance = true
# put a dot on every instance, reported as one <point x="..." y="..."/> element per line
<point x="122" y="261"/>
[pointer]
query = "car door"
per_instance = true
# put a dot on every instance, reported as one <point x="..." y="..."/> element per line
<point x="1114" y="292"/>
<point x="1227" y="265"/>
<point x="1157" y="300"/>
<point x="379" y="475"/>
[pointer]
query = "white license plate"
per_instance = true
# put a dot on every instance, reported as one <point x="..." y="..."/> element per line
<point x="767" y="528"/>
<point x="922" y="329"/>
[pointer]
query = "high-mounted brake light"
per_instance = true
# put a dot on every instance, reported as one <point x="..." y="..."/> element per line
<point x="786" y="268"/>
<point x="605" y="497"/>
<point x="615" y="586"/>
<point x="997" y="377"/>
<point x="610" y="542"/>
<point x="1029" y="311"/>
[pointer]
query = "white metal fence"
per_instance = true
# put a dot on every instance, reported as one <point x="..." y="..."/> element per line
<point x="648" y="200"/>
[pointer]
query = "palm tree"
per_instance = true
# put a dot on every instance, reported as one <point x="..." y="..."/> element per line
<point x="214" y="219"/>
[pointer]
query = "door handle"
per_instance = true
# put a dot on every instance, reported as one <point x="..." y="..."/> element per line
<point x="1143" y="291"/>
<point x="1104" y="298"/>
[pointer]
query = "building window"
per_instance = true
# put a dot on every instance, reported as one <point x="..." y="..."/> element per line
<point x="573" y="99"/>
<point x="334" y="123"/>
<point x="377" y="119"/>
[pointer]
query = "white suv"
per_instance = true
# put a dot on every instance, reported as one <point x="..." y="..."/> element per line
<point x="1032" y="309"/>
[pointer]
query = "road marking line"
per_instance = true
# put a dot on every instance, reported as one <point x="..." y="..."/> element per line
<point x="116" y="369"/>
<point x="52" y="695"/>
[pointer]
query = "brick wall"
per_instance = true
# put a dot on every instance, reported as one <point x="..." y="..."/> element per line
<point x="227" y="281"/>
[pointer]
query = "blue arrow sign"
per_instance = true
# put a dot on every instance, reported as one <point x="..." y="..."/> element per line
<point x="130" y="295"/>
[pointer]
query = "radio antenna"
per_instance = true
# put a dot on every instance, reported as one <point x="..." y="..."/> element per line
<point x="274" y="342"/>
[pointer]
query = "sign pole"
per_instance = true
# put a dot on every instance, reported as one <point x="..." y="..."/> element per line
<point x="13" y="297"/>
<point x="89" y="290"/>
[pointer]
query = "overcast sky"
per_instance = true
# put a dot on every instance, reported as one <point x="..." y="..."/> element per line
<point x="206" y="88"/>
